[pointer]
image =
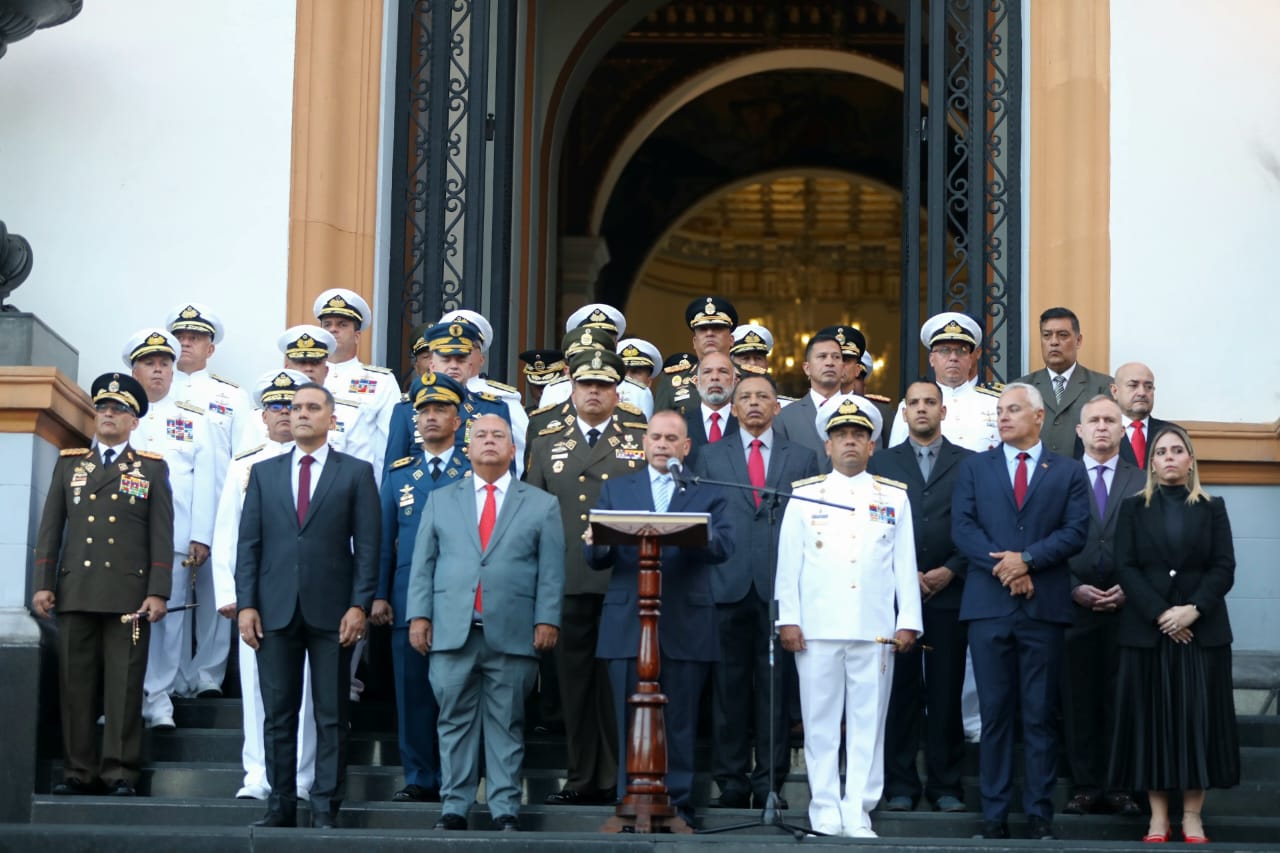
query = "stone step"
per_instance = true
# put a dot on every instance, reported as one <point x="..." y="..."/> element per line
<point x="371" y="820"/>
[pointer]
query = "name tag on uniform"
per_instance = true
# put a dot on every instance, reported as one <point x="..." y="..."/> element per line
<point x="180" y="429"/>
<point x="819" y="518"/>
<point x="883" y="514"/>
<point x="363" y="386"/>
<point x="134" y="486"/>
<point x="79" y="478"/>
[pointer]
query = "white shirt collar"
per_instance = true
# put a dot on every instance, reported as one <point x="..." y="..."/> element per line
<point x="320" y="455"/>
<point x="766" y="438"/>
<point x="1034" y="452"/>
<point x="1091" y="463"/>
<point x="503" y="483"/>
<point x="818" y="399"/>
<point x="1066" y="374"/>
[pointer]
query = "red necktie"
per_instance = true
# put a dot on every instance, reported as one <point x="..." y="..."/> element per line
<point x="488" y="516"/>
<point x="304" y="488"/>
<point x="1139" y="442"/>
<point x="1020" y="479"/>
<point x="755" y="468"/>
<point x="715" y="434"/>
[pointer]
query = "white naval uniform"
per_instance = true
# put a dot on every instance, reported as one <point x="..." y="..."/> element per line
<point x="510" y="397"/>
<point x="971" y="417"/>
<point x="369" y="387"/>
<point x="192" y="446"/>
<point x="225" y="541"/>
<point x="225" y="403"/>
<point x="840" y="575"/>
<point x="629" y="391"/>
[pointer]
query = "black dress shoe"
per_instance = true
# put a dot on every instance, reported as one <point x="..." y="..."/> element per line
<point x="416" y="794"/>
<point x="72" y="786"/>
<point x="121" y="788"/>
<point x="322" y="820"/>
<point x="1121" y="803"/>
<point x="1081" y="803"/>
<point x="276" y="819"/>
<point x="568" y="797"/>
<point x="1039" y="829"/>
<point x="732" y="799"/>
<point x="506" y="823"/>
<point x="448" y="820"/>
<point x="994" y="829"/>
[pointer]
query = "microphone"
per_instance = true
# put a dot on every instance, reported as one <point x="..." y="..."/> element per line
<point x="675" y="469"/>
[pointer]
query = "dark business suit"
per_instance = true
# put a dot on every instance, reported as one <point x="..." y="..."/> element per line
<point x="1091" y="661"/>
<point x="1015" y="642"/>
<point x="405" y="489"/>
<point x="1060" y="419"/>
<point x="698" y="433"/>
<point x="743" y="591"/>
<point x="302" y="579"/>
<point x="687" y="628"/>
<point x="929" y="683"/>
<point x="1154" y="426"/>
<point x="118" y="550"/>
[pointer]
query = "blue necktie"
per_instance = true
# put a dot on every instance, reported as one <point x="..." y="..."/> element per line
<point x="662" y="494"/>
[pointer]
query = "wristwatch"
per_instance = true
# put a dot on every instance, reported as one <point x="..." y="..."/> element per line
<point x="1026" y="558"/>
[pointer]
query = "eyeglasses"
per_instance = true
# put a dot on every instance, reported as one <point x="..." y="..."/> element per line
<point x="109" y="406"/>
<point x="279" y="407"/>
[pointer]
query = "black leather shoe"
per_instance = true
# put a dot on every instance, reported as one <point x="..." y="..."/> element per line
<point x="448" y="820"/>
<point x="994" y="829"/>
<point x="276" y="819"/>
<point x="731" y="799"/>
<point x="1121" y="803"/>
<point x="1039" y="829"/>
<point x="73" y="787"/>
<point x="121" y="788"/>
<point x="568" y="797"/>
<point x="416" y="794"/>
<point x="323" y="820"/>
<point x="1081" y="803"/>
<point x="506" y="823"/>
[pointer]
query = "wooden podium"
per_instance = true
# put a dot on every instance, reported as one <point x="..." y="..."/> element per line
<point x="647" y="807"/>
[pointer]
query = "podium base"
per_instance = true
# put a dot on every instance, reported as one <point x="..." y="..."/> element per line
<point x="646" y="814"/>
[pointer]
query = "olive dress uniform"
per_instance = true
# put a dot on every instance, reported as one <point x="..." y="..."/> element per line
<point x="118" y="550"/>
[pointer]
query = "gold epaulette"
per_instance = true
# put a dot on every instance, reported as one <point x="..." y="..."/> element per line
<point x="634" y="382"/>
<point x="388" y="371"/>
<point x="344" y="402"/>
<point x="808" y="481"/>
<point x="878" y="398"/>
<point x="148" y="454"/>
<point x="991" y="389"/>
<point x="190" y="408"/>
<point x="76" y="451"/>
<point x="676" y="368"/>
<point x="400" y="463"/>
<point x="630" y="409"/>
<point x="502" y="386"/>
<point x="487" y="397"/>
<point x="249" y="452"/>
<point x="897" y="484"/>
<point x="224" y="380"/>
<point x="635" y="425"/>
<point x="543" y="410"/>
<point x="550" y="430"/>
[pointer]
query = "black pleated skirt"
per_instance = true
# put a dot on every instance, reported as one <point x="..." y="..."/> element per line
<point x="1175" y="719"/>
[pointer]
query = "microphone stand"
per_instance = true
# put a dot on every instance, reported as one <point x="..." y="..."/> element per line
<point x="771" y="813"/>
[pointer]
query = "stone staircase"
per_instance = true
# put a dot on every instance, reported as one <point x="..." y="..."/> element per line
<point x="192" y="774"/>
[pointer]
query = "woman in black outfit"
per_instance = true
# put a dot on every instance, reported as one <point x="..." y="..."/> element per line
<point x="1176" y="730"/>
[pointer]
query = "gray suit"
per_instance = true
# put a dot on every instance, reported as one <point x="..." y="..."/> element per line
<point x="481" y="674"/>
<point x="798" y="423"/>
<point x="1060" y="419"/>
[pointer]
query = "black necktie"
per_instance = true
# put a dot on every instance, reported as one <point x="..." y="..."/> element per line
<point x="108" y="455"/>
<point x="593" y="435"/>
<point x="435" y="469"/>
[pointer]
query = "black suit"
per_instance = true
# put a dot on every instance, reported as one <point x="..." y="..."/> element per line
<point x="302" y="579"/>
<point x="930" y="683"/>
<point x="743" y="592"/>
<point x="1090" y="660"/>
<point x="1154" y="426"/>
<point x="698" y="432"/>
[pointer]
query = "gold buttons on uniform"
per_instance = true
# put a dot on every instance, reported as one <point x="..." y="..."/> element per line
<point x="582" y="478"/>
<point x="111" y="519"/>
<point x="583" y="517"/>
<point x="582" y="498"/>
<point x="111" y="541"/>
<point x="604" y="476"/>
<point x="88" y="540"/>
<point x="91" y="519"/>
<point x="115" y="496"/>
<point x="88" y="563"/>
<point x="93" y="497"/>
<point x="107" y="564"/>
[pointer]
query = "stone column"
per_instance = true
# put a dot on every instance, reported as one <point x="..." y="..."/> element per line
<point x="581" y="259"/>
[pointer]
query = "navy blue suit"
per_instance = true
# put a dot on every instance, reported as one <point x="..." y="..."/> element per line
<point x="402" y="436"/>
<point x="687" y="628"/>
<point x="1016" y="643"/>
<point x="405" y="489"/>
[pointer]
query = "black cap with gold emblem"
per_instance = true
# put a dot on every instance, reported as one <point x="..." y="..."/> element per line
<point x="852" y="342"/>
<point x="121" y="388"/>
<point x="585" y="339"/>
<point x="710" y="311"/>
<point x="541" y="366"/>
<point x="679" y="362"/>
<point x="601" y="365"/>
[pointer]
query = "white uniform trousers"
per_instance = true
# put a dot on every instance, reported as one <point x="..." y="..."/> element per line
<point x="208" y="666"/>
<point x="850" y="679"/>
<point x="969" y="710"/>
<point x="164" y="655"/>
<point x="253" y="754"/>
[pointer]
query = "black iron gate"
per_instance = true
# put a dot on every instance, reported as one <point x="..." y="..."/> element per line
<point x="962" y="165"/>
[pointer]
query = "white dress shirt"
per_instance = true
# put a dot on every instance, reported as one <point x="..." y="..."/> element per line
<point x="320" y="456"/>
<point x="503" y="483"/>
<point x="723" y="412"/>
<point x="766" y="445"/>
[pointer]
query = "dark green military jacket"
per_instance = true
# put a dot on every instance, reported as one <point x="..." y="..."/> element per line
<point x="118" y="519"/>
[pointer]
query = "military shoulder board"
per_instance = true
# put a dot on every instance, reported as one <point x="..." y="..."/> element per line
<point x="375" y="369"/>
<point x="249" y="452"/>
<point x="808" y="481"/>
<point x="543" y="409"/>
<point x="223" y="380"/>
<point x="635" y="425"/>
<point x="487" y="397"/>
<point x="879" y="398"/>
<point x="190" y="408"/>
<point x="991" y="389"/>
<point x="630" y="409"/>
<point x="400" y="463"/>
<point x="75" y="451"/>
<point x="897" y="484"/>
<point x="147" y="454"/>
<point x="553" y="428"/>
<point x="502" y="386"/>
